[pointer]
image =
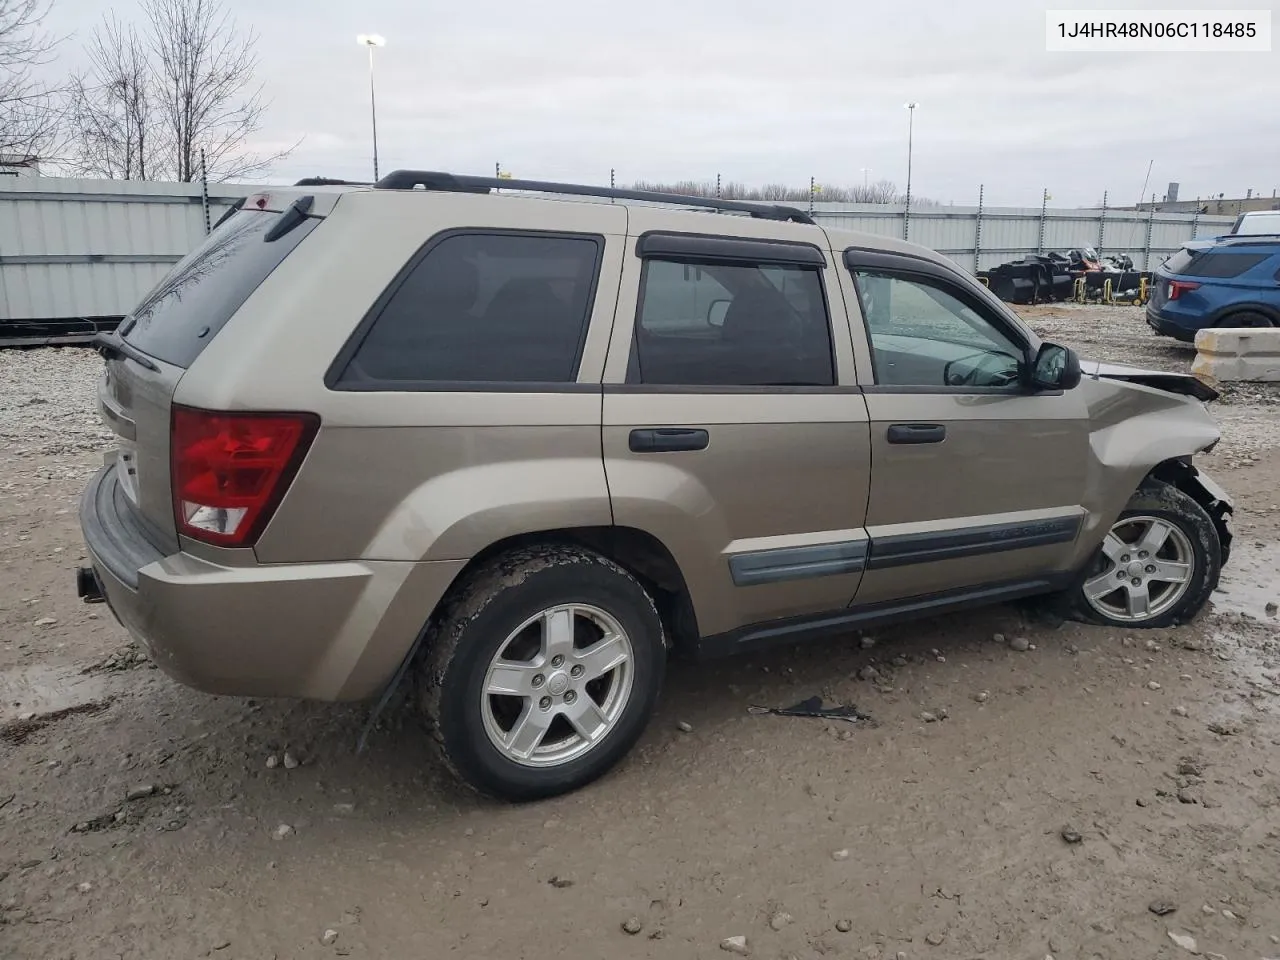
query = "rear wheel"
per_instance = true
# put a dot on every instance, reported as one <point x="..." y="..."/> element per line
<point x="1157" y="565"/>
<point x="1247" y="319"/>
<point x="542" y="672"/>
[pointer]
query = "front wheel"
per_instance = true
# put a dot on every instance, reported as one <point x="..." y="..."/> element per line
<point x="542" y="671"/>
<point x="1156" y="566"/>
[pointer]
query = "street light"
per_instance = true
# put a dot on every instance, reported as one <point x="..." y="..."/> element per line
<point x="911" y="125"/>
<point x="372" y="40"/>
<point x="865" y="171"/>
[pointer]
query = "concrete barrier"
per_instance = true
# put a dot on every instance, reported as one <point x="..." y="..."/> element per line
<point x="1238" y="354"/>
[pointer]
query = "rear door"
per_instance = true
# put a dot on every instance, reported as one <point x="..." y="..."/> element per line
<point x="976" y="481"/>
<point x="165" y="334"/>
<point x="734" y="431"/>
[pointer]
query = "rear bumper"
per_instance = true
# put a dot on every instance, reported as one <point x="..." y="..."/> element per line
<point x="324" y="631"/>
<point x="1167" y="328"/>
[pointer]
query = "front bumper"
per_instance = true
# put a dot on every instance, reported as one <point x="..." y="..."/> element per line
<point x="324" y="631"/>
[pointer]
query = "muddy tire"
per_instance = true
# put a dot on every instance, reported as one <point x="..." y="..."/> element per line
<point x="541" y="672"/>
<point x="1156" y="567"/>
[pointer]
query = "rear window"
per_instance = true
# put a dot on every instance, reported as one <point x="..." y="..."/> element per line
<point x="177" y="319"/>
<point x="482" y="308"/>
<point x="1200" y="263"/>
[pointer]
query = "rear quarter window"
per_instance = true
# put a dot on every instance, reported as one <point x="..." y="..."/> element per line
<point x="479" y="307"/>
<point x="1217" y="266"/>
<point x="185" y="311"/>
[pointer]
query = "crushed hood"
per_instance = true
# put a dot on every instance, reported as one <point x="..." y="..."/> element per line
<point x="1181" y="383"/>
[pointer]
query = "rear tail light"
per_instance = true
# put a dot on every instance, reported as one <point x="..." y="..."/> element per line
<point x="229" y="471"/>
<point x="1178" y="287"/>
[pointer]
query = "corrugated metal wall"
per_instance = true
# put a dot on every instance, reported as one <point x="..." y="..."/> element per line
<point x="93" y="248"/>
<point x="978" y="238"/>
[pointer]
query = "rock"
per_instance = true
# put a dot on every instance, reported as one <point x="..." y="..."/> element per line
<point x="1162" y="908"/>
<point x="632" y="926"/>
<point x="46" y="622"/>
<point x="844" y="926"/>
<point x="1208" y="911"/>
<point x="943" y="713"/>
<point x="1141" y="801"/>
<point x="780" y="920"/>
<point x="329" y="937"/>
<point x="935" y="939"/>
<point x="1071" y="835"/>
<point x="272" y="762"/>
<point x="1179" y="711"/>
<point x="982" y="697"/>
<point x="1185" y="941"/>
<point x="1152" y="646"/>
<point x="684" y="727"/>
<point x="1152" y="685"/>
<point x="736" y="945"/>
<point x="997" y="638"/>
<point x="899" y="661"/>
<point x="283" y="831"/>
<point x="141" y="793"/>
<point x="1186" y="796"/>
<point x="1224" y="729"/>
<point x="222" y="944"/>
<point x="868" y="673"/>
<point x="560" y="883"/>
<point x="84" y="887"/>
<point x="1188" y="767"/>
<point x="867" y="642"/>
<point x="1229" y="915"/>
<point x="840" y="855"/>
<point x="344" y="808"/>
<point x="1272" y="608"/>
<point x="928" y="717"/>
<point x="1020" y="644"/>
<point x="290" y="761"/>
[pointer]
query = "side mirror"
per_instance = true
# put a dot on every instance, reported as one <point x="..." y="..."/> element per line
<point x="716" y="312"/>
<point x="1055" y="368"/>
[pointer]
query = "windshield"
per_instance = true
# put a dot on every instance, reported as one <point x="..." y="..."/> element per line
<point x="1256" y="224"/>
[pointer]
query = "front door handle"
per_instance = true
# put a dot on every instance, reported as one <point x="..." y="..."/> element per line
<point x="668" y="439"/>
<point x="917" y="433"/>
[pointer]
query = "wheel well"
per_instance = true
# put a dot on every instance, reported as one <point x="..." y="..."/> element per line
<point x="1262" y="308"/>
<point x="641" y="554"/>
<point x="1180" y="472"/>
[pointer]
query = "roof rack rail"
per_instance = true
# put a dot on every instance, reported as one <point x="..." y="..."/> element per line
<point x="451" y="183"/>
<point x="330" y="182"/>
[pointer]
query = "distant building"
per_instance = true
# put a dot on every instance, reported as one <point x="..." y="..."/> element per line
<point x="1215" y="206"/>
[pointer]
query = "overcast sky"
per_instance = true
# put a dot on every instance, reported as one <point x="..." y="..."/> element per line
<point x="757" y="90"/>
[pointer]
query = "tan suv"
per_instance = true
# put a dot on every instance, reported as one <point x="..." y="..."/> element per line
<point x="519" y="441"/>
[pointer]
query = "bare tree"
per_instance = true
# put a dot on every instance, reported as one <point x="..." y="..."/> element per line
<point x="203" y="69"/>
<point x="154" y="99"/>
<point x="29" y="109"/>
<point x="882" y="191"/>
<point x="112" y="107"/>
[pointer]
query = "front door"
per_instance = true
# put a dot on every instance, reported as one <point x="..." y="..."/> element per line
<point x="977" y="481"/>
<point x="734" y="433"/>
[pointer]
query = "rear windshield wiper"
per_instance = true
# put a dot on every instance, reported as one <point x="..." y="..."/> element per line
<point x="112" y="347"/>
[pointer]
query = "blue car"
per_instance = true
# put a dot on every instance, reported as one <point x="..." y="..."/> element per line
<point x="1232" y="281"/>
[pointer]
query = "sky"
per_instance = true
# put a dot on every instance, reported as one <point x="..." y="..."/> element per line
<point x="759" y="91"/>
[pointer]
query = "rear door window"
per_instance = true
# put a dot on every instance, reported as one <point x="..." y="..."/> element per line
<point x="179" y="318"/>
<point x="481" y="308"/>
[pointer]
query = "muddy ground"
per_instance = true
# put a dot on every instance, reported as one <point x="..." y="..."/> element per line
<point x="900" y="837"/>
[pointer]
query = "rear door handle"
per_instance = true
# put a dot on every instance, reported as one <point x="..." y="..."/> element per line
<point x="667" y="439"/>
<point x="917" y="433"/>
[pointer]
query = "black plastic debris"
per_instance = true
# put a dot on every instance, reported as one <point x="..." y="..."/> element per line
<point x="812" y="707"/>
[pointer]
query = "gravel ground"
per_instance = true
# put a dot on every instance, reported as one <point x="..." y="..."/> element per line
<point x="1025" y="788"/>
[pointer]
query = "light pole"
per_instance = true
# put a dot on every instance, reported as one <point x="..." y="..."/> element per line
<point x="372" y="40"/>
<point x="865" y="171"/>
<point x="911" y="127"/>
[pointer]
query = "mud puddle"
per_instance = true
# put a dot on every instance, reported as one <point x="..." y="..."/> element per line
<point x="38" y="690"/>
